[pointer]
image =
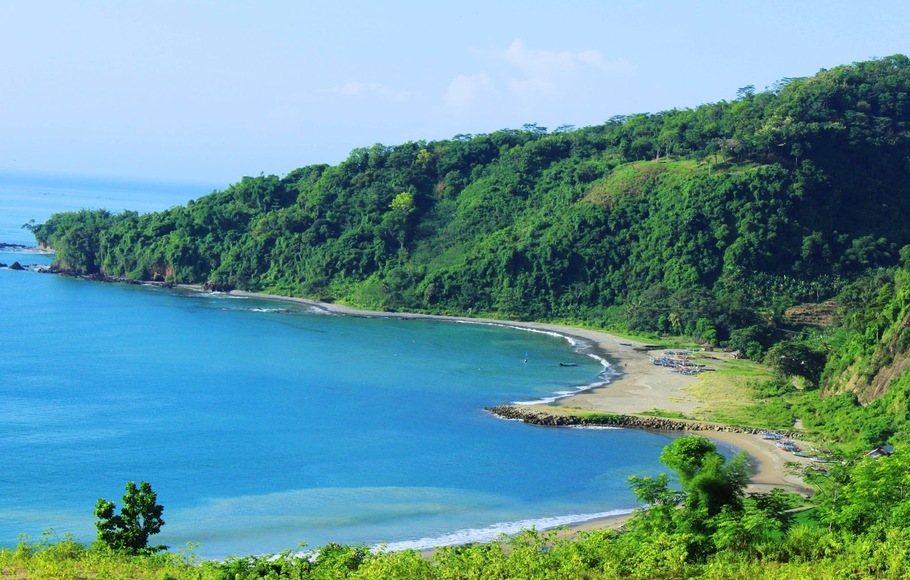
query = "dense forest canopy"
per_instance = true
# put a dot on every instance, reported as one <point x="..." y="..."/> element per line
<point x="708" y="222"/>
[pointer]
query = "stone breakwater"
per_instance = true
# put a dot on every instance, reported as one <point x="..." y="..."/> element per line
<point x="536" y="415"/>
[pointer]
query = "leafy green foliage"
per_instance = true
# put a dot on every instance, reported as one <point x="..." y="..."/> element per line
<point x="793" y="358"/>
<point x="873" y="496"/>
<point x="707" y="222"/>
<point x="712" y="496"/>
<point x="139" y="518"/>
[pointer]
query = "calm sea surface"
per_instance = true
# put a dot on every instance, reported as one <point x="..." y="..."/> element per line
<point x="262" y="425"/>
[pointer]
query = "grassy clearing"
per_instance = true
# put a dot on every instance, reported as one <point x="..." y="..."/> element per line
<point x="728" y="394"/>
<point x="747" y="394"/>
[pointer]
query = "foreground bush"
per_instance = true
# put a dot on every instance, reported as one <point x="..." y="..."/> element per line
<point x="531" y="555"/>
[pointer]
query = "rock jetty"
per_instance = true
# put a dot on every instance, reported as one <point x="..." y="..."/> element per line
<point x="537" y="415"/>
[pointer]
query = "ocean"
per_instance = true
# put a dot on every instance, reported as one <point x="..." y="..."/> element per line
<point x="265" y="425"/>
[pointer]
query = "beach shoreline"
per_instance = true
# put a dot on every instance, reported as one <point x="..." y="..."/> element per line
<point x="637" y="387"/>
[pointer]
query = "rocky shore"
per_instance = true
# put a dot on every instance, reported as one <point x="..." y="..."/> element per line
<point x="537" y="415"/>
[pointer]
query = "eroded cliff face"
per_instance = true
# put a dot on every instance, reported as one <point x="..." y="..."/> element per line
<point x="162" y="274"/>
<point x="883" y="379"/>
<point x="871" y="377"/>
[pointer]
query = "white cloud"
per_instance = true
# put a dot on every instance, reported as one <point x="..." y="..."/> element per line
<point x="525" y="70"/>
<point x="465" y="89"/>
<point x="551" y="72"/>
<point x="522" y="78"/>
<point x="617" y="66"/>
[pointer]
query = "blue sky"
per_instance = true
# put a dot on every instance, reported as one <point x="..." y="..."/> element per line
<point x="215" y="90"/>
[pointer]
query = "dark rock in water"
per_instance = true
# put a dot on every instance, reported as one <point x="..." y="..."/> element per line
<point x="216" y="287"/>
<point x="2" y="265"/>
<point x="16" y="266"/>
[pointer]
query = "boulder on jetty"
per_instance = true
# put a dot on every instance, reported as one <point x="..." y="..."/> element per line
<point x="16" y="266"/>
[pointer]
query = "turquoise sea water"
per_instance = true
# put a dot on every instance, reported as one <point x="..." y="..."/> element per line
<point x="262" y="425"/>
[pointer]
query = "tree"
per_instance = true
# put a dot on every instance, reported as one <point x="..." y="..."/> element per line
<point x="794" y="358"/>
<point x="746" y="92"/>
<point x="709" y="482"/>
<point x="712" y="493"/>
<point x="403" y="202"/>
<point x="661" y="513"/>
<point x="874" y="494"/>
<point x="139" y="518"/>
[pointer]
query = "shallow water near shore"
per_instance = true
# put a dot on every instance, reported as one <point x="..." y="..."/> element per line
<point x="263" y="424"/>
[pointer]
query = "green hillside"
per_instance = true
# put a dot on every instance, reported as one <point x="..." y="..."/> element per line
<point x="711" y="223"/>
<point x="756" y="204"/>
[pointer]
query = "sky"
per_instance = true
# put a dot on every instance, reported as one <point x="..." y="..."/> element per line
<point x="211" y="91"/>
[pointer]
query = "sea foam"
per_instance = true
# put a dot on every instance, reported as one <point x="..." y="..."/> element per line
<point x="492" y="532"/>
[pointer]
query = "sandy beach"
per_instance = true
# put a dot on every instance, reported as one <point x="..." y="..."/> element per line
<point x="639" y="387"/>
<point x="642" y="387"/>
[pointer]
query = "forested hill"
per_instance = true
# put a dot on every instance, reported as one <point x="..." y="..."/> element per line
<point x="708" y="222"/>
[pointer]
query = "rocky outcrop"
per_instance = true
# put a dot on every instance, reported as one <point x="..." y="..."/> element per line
<point x="536" y="415"/>
<point x="216" y="287"/>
